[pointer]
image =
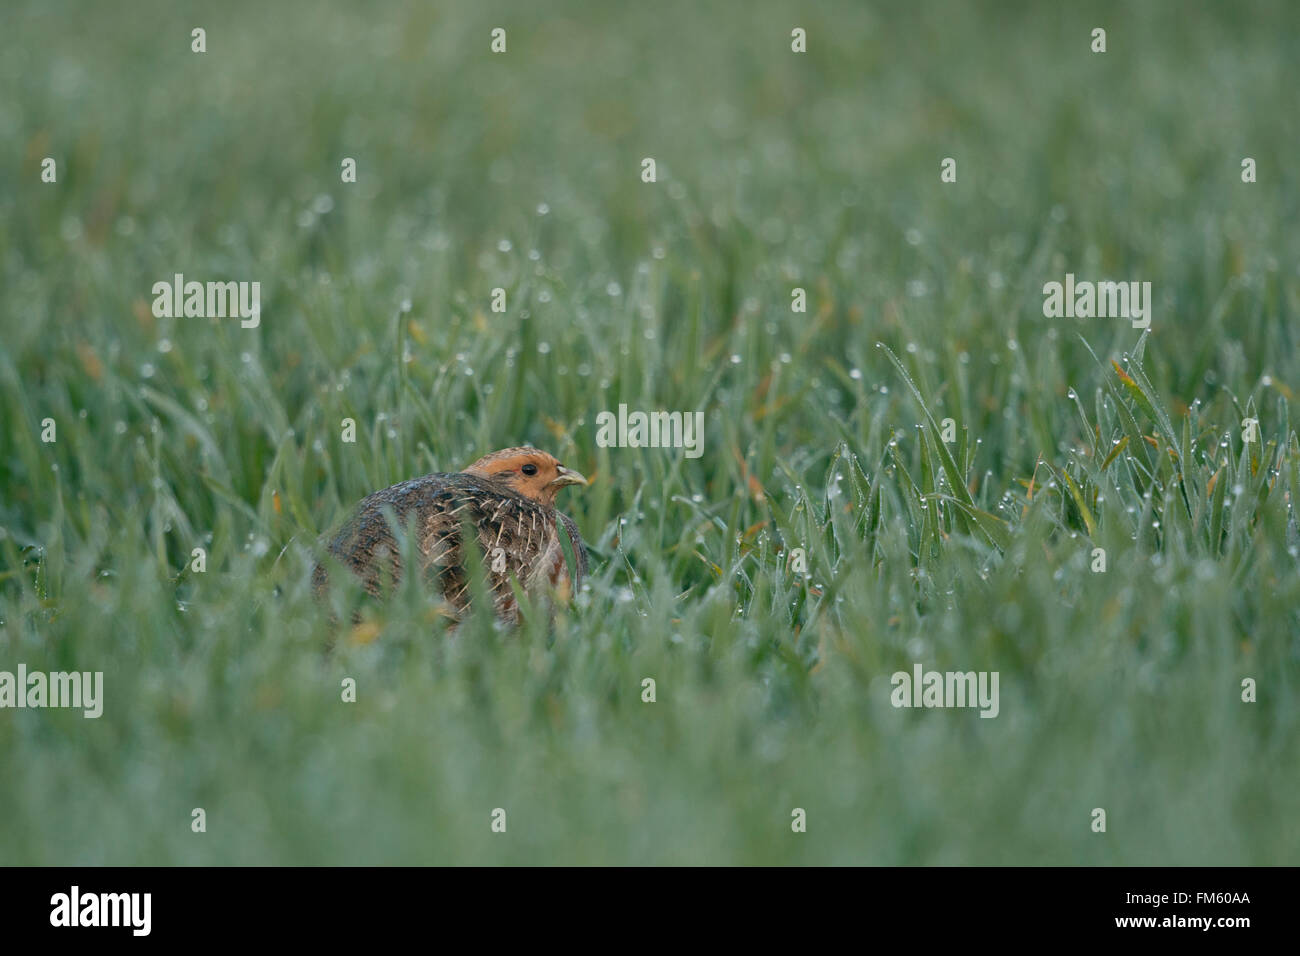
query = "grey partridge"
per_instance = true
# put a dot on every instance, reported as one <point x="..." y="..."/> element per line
<point x="506" y="498"/>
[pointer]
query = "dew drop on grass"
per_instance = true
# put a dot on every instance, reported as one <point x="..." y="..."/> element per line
<point x="856" y="374"/>
<point x="735" y="359"/>
<point x="504" y="245"/>
<point x="1071" y="395"/>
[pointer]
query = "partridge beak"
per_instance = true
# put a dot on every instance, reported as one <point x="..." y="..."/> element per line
<point x="567" y="477"/>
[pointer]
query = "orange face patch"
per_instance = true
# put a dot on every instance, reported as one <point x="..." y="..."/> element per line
<point x="528" y="472"/>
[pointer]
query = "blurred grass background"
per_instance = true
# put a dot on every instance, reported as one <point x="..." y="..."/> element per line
<point x="1118" y="690"/>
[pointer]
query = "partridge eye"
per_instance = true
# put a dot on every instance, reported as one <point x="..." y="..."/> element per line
<point x="529" y="469"/>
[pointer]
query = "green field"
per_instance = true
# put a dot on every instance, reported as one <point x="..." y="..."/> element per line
<point x="1120" y="690"/>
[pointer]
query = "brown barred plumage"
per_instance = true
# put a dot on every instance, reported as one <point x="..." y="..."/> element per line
<point x="507" y="498"/>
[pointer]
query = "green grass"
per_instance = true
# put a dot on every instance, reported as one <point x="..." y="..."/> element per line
<point x="1119" y="690"/>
